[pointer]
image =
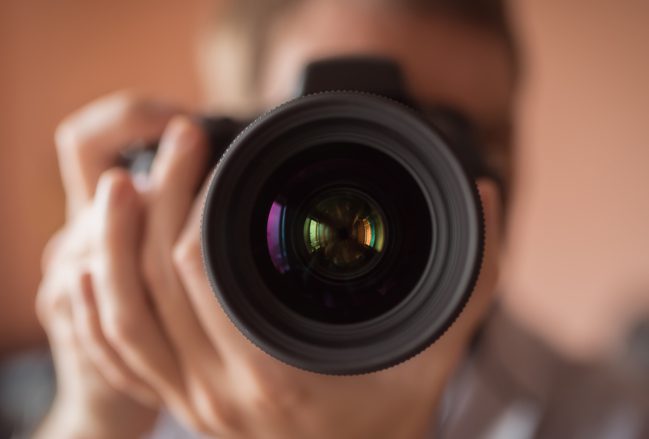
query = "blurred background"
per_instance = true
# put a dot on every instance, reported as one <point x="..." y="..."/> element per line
<point x="577" y="262"/>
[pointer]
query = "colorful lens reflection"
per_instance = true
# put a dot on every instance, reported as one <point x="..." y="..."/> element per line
<point x="276" y="236"/>
<point x="339" y="235"/>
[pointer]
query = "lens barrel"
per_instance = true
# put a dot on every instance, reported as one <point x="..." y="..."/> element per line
<point x="341" y="234"/>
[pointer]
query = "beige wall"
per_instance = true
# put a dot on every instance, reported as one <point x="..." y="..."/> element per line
<point x="579" y="248"/>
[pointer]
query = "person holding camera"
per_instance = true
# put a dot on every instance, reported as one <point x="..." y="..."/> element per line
<point x="130" y="312"/>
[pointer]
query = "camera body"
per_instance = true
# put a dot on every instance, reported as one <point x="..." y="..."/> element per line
<point x="342" y="231"/>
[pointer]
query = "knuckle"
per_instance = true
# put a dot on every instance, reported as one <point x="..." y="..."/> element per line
<point x="51" y="249"/>
<point x="97" y="354"/>
<point x="275" y="394"/>
<point x="127" y="105"/>
<point x="67" y="136"/>
<point x="219" y="415"/>
<point x="132" y="107"/>
<point x="214" y="409"/>
<point x="262" y="402"/>
<point x="126" y="101"/>
<point x="90" y="339"/>
<point x="119" y="382"/>
<point x="186" y="255"/>
<point x="115" y="178"/>
<point x="43" y="305"/>
<point x="51" y="302"/>
<point x="121" y="329"/>
<point x="115" y="377"/>
<point x="53" y="309"/>
<point x="54" y="290"/>
<point x="75" y="134"/>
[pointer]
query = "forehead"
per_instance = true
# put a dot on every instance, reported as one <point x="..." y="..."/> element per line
<point x="444" y="60"/>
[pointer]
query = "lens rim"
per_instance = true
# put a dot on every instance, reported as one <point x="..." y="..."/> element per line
<point x="434" y="303"/>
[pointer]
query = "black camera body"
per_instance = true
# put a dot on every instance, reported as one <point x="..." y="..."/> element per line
<point x="342" y="231"/>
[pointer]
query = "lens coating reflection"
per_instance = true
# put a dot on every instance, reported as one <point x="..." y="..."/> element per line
<point x="343" y="234"/>
<point x="346" y="233"/>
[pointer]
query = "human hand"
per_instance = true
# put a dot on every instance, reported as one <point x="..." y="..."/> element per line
<point x="229" y="387"/>
<point x="86" y="404"/>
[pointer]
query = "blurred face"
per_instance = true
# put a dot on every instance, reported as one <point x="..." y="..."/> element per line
<point x="444" y="60"/>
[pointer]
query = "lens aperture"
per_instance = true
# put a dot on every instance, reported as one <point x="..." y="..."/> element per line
<point x="335" y="233"/>
<point x="343" y="234"/>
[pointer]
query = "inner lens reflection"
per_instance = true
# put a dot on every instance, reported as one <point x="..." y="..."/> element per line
<point x="343" y="234"/>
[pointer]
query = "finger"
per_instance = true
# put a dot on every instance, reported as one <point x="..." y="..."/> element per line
<point x="55" y="314"/>
<point x="126" y="318"/>
<point x="65" y="347"/>
<point x="93" y="341"/>
<point x="176" y="174"/>
<point x="53" y="310"/>
<point x="189" y="264"/>
<point x="89" y="141"/>
<point x="50" y="250"/>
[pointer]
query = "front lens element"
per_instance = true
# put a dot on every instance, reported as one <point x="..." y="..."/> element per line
<point x="343" y="234"/>
<point x="339" y="221"/>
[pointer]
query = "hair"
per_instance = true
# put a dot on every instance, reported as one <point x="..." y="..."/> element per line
<point x="236" y="51"/>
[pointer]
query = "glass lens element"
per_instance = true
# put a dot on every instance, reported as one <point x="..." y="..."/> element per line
<point x="344" y="233"/>
<point x="341" y="233"/>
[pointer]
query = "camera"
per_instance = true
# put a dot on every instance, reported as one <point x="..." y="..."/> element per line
<point x="342" y="231"/>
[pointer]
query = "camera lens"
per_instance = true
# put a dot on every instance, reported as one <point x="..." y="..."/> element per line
<point x="341" y="218"/>
<point x="341" y="234"/>
<point x="340" y="239"/>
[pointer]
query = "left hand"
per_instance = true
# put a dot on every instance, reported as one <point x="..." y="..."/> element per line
<point x="230" y="387"/>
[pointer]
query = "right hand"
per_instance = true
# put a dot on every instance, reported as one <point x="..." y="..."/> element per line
<point x="89" y="404"/>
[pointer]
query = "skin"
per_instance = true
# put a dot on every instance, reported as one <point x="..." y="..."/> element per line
<point x="125" y="302"/>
